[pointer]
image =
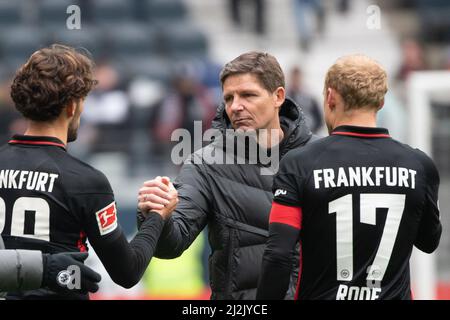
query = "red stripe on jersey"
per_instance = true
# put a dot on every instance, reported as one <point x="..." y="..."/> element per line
<point x="286" y="214"/>
<point x="38" y="143"/>
<point x="300" y="269"/>
<point x="80" y="243"/>
<point x="366" y="135"/>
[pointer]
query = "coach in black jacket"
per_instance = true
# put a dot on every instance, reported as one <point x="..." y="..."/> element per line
<point x="234" y="200"/>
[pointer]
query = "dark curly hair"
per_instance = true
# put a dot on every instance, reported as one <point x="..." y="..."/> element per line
<point x="52" y="78"/>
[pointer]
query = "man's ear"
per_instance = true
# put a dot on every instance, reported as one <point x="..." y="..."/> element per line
<point x="381" y="105"/>
<point x="71" y="109"/>
<point x="331" y="98"/>
<point x="279" y="96"/>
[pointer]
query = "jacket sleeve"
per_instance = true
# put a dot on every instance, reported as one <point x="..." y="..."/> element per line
<point x="20" y="270"/>
<point x="191" y="215"/>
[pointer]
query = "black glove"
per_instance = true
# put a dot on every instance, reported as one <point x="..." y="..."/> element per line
<point x="57" y="277"/>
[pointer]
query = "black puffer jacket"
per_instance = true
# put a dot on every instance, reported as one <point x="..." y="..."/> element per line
<point x="234" y="200"/>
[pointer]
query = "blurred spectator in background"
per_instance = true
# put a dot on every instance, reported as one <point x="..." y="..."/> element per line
<point x="412" y="59"/>
<point x="343" y="6"/>
<point x="307" y="102"/>
<point x="11" y="121"/>
<point x="309" y="15"/>
<point x="447" y="60"/>
<point x="259" y="18"/>
<point x="208" y="71"/>
<point x="87" y="9"/>
<point x="107" y="110"/>
<point x="187" y="102"/>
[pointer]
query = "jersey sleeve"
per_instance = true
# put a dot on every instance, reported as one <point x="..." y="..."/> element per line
<point x="430" y="228"/>
<point x="287" y="182"/>
<point x="276" y="268"/>
<point x="125" y="261"/>
<point x="285" y="222"/>
<point x="97" y="210"/>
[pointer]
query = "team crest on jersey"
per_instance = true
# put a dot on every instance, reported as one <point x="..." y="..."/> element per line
<point x="107" y="218"/>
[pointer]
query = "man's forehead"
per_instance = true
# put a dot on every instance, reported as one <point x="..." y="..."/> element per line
<point x="242" y="81"/>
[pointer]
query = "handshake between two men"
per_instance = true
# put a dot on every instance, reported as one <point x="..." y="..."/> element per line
<point x="157" y="195"/>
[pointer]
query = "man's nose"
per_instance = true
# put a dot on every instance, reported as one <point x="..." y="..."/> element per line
<point x="237" y="105"/>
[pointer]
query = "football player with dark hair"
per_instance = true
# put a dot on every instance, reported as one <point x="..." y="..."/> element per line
<point x="51" y="201"/>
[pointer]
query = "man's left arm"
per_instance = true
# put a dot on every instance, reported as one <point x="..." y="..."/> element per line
<point x="124" y="261"/>
<point x="285" y="223"/>
<point x="284" y="227"/>
<point x="430" y="227"/>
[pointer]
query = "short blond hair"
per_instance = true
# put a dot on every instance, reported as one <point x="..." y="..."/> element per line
<point x="360" y="80"/>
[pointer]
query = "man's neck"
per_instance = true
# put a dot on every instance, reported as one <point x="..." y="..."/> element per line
<point x="357" y="118"/>
<point x="47" y="130"/>
<point x="268" y="138"/>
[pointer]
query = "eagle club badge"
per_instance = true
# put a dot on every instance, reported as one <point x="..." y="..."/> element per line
<point x="107" y="218"/>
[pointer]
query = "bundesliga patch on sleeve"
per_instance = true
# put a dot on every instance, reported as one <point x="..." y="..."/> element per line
<point x="107" y="218"/>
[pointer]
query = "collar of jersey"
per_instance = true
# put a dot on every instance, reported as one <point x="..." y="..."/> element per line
<point x="362" y="132"/>
<point x="37" y="140"/>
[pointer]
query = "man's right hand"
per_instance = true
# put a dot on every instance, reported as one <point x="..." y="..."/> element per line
<point x="158" y="195"/>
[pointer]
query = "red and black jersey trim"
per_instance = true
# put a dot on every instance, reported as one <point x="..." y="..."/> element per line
<point x="289" y="215"/>
<point x="361" y="132"/>
<point x="37" y="140"/>
<point x="81" y="243"/>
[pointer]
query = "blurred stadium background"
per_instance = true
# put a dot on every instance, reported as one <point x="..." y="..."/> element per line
<point x="158" y="63"/>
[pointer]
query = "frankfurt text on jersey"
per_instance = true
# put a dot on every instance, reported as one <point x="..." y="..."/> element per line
<point x="364" y="177"/>
<point x="29" y="180"/>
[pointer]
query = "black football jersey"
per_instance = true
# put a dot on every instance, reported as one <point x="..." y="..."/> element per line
<point x="359" y="201"/>
<point x="51" y="199"/>
<point x="53" y="202"/>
